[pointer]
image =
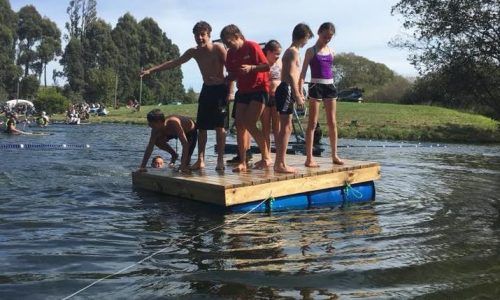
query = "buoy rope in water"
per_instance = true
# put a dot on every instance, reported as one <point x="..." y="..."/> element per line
<point x="394" y="146"/>
<point x="44" y="146"/>
<point x="349" y="189"/>
<point x="270" y="198"/>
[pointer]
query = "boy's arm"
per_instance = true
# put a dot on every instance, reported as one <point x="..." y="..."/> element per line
<point x="305" y="64"/>
<point x="170" y="64"/>
<point x="297" y="93"/>
<point x="261" y="62"/>
<point x="171" y="151"/>
<point x="147" y="152"/>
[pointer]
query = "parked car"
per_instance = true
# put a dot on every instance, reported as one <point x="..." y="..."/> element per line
<point x="351" y="95"/>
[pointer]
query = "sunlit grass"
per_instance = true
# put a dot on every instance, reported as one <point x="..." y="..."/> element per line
<point x="366" y="120"/>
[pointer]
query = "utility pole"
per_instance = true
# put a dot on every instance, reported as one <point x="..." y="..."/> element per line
<point x="116" y="89"/>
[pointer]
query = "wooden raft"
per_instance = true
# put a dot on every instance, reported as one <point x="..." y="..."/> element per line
<point x="226" y="188"/>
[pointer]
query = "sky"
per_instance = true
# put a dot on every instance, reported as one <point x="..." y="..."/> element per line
<point x="363" y="27"/>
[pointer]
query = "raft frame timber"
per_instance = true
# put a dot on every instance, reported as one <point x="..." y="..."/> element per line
<point x="236" y="190"/>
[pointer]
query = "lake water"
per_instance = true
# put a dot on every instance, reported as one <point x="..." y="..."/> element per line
<point x="69" y="216"/>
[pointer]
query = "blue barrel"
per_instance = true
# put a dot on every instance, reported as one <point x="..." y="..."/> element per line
<point x="339" y="196"/>
<point x="356" y="193"/>
<point x="278" y="204"/>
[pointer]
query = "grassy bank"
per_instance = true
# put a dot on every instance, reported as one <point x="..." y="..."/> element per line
<point x="369" y="121"/>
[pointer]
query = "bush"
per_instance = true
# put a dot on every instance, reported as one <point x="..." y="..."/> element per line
<point x="51" y="100"/>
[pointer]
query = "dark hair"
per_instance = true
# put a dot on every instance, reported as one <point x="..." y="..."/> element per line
<point x="202" y="26"/>
<point x="231" y="30"/>
<point x="300" y="31"/>
<point x="155" y="115"/>
<point x="271" y="46"/>
<point x="326" y="26"/>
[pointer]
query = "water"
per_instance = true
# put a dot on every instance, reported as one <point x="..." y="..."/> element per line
<point x="70" y="217"/>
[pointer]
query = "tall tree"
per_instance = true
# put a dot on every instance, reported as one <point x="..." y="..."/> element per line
<point x="457" y="39"/>
<point x="73" y="65"/>
<point x="127" y="37"/>
<point x="9" y="72"/>
<point x="50" y="45"/>
<point x="29" y="31"/>
<point x="81" y="13"/>
<point x="156" y="48"/>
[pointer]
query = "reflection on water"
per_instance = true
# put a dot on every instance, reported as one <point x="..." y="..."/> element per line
<point x="70" y="217"/>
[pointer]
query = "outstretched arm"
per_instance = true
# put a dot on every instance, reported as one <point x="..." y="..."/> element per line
<point x="147" y="152"/>
<point x="170" y="64"/>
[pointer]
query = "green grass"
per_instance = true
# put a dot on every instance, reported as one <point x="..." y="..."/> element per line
<point x="367" y="120"/>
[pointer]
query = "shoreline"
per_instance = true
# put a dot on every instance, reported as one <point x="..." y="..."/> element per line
<point x="375" y="121"/>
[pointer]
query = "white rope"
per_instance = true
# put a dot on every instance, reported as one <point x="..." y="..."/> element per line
<point x="163" y="250"/>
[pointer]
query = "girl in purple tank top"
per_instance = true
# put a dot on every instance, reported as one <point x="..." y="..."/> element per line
<point x="321" y="88"/>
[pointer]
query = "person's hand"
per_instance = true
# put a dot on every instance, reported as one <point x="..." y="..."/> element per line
<point x="245" y="69"/>
<point x="144" y="72"/>
<point x="300" y="101"/>
<point x="173" y="159"/>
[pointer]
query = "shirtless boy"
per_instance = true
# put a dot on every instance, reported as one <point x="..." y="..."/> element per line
<point x="210" y="58"/>
<point x="289" y="92"/>
<point x="164" y="129"/>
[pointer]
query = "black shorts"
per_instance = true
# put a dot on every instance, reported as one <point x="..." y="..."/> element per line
<point x="322" y="91"/>
<point x="284" y="99"/>
<point x="246" y="98"/>
<point x="212" y="107"/>
<point x="272" y="101"/>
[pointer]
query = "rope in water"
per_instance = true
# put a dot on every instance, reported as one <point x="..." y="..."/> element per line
<point x="44" y="146"/>
<point x="270" y="198"/>
<point x="393" y="146"/>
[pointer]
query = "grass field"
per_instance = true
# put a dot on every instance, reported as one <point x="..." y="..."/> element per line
<point x="368" y="121"/>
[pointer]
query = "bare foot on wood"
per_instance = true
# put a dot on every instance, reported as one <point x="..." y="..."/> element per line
<point x="284" y="169"/>
<point x="241" y="167"/>
<point x="263" y="164"/>
<point x="336" y="160"/>
<point x="310" y="163"/>
<point x="220" y="166"/>
<point x="198" y="165"/>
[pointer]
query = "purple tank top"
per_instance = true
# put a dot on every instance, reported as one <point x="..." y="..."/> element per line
<point x="321" y="66"/>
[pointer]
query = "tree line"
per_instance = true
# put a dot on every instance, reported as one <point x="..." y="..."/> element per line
<point x="97" y="60"/>
<point x="454" y="44"/>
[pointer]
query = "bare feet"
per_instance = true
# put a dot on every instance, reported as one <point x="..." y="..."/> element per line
<point x="220" y="166"/>
<point x="310" y="163"/>
<point x="198" y="165"/>
<point x="263" y="164"/>
<point x="241" y="167"/>
<point x="284" y="169"/>
<point x="336" y="160"/>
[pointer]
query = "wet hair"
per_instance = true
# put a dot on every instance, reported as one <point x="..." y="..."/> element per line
<point x="231" y="31"/>
<point x="271" y="46"/>
<point x="326" y="26"/>
<point x="202" y="26"/>
<point x="155" y="115"/>
<point x="301" y="31"/>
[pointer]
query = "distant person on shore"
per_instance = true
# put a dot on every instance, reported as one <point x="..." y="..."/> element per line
<point x="247" y="64"/>
<point x="270" y="118"/>
<point x="164" y="129"/>
<point x="157" y="162"/>
<point x="213" y="98"/>
<point x="288" y="93"/>
<point x="321" y="88"/>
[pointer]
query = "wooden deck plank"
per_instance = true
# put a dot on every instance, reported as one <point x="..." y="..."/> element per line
<point x="228" y="188"/>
